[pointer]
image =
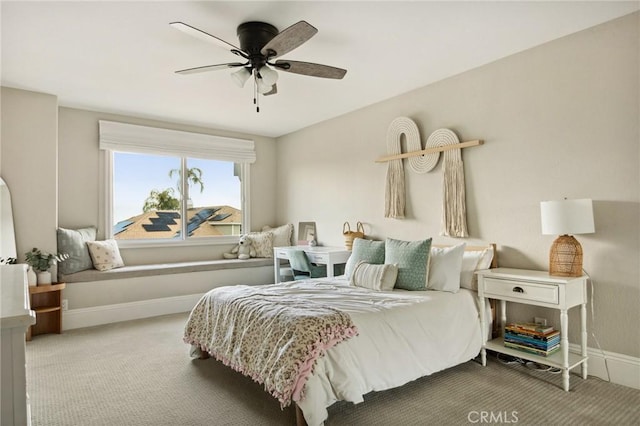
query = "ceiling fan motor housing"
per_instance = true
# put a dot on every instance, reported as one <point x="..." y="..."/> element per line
<point x="254" y="36"/>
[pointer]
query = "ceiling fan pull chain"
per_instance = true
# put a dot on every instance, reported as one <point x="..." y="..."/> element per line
<point x="256" y="99"/>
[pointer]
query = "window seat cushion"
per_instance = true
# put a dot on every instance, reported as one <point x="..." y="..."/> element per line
<point x="161" y="269"/>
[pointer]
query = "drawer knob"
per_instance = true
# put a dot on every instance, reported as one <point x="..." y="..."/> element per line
<point x="518" y="290"/>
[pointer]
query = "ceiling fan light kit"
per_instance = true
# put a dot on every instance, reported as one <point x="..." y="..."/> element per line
<point x="268" y="75"/>
<point x="260" y="43"/>
<point x="263" y="88"/>
<point x="241" y="76"/>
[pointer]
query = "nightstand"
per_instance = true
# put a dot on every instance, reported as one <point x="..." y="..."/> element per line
<point x="46" y="302"/>
<point x="540" y="289"/>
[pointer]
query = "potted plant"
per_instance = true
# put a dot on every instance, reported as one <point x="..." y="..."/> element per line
<point x="40" y="261"/>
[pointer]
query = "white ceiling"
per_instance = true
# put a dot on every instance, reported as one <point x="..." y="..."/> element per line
<point x="120" y="57"/>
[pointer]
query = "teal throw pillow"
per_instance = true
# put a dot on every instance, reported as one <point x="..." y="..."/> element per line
<point x="368" y="251"/>
<point x="74" y="243"/>
<point x="412" y="258"/>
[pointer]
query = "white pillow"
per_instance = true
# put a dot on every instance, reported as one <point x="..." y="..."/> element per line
<point x="105" y="255"/>
<point x="474" y="261"/>
<point x="444" y="268"/>
<point x="281" y="234"/>
<point x="374" y="277"/>
<point x="262" y="243"/>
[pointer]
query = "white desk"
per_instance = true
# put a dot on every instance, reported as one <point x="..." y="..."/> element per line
<point x="329" y="256"/>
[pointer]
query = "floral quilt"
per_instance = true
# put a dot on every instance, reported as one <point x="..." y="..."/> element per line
<point x="270" y="333"/>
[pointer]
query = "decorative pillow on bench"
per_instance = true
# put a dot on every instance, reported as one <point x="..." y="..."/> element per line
<point x="105" y="255"/>
<point x="74" y="243"/>
<point x="262" y="243"/>
<point x="281" y="235"/>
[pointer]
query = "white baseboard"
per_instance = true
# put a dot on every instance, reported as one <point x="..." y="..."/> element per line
<point x="616" y="368"/>
<point x="107" y="314"/>
<point x="610" y="366"/>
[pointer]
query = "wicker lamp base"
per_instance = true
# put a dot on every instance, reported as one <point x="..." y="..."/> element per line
<point x="565" y="258"/>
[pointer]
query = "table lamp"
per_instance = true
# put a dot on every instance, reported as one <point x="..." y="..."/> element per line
<point x="563" y="218"/>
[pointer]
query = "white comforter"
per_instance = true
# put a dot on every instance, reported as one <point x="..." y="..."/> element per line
<point x="403" y="335"/>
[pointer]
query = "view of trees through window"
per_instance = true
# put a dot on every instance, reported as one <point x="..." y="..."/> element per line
<point x="148" y="197"/>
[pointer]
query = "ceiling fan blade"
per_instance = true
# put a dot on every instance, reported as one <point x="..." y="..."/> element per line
<point x="194" y="32"/>
<point x="308" y="68"/>
<point x="210" y="68"/>
<point x="273" y="91"/>
<point x="288" y="39"/>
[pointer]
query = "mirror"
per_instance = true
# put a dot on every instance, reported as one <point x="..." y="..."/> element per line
<point x="7" y="234"/>
<point x="306" y="233"/>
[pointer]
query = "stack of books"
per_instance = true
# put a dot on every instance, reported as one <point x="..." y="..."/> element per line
<point x="533" y="338"/>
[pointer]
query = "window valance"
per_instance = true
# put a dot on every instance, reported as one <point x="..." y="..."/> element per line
<point x="153" y="140"/>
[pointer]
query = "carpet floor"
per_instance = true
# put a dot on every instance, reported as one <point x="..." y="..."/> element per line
<point x="139" y="373"/>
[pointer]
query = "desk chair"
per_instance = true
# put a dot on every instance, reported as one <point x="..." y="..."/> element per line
<point x="303" y="269"/>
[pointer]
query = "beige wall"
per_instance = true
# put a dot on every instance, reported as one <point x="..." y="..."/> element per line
<point x="559" y="120"/>
<point x="29" y="166"/>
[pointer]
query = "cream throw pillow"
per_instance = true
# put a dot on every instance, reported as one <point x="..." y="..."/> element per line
<point x="262" y="243"/>
<point x="105" y="254"/>
<point x="374" y="277"/>
<point x="281" y="235"/>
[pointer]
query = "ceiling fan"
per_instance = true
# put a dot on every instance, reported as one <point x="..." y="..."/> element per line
<point x="260" y="44"/>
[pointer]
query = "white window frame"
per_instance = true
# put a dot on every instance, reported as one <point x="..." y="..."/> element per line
<point x="121" y="137"/>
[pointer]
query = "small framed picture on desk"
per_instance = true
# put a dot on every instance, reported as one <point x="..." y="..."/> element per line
<point x="306" y="233"/>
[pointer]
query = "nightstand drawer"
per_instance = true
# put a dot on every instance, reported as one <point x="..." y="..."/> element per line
<point x="520" y="290"/>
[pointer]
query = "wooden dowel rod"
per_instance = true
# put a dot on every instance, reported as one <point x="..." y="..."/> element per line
<point x="430" y="150"/>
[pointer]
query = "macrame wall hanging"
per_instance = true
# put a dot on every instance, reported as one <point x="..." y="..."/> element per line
<point x="454" y="222"/>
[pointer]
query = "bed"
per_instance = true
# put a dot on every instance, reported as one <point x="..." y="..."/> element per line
<point x="369" y="340"/>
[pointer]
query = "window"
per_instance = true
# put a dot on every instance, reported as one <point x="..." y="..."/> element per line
<point x="157" y="177"/>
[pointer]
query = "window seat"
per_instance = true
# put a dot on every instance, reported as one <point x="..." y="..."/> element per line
<point x="136" y="271"/>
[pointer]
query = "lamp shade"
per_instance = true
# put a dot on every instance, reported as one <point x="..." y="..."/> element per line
<point x="562" y="218"/>
<point x="268" y="75"/>
<point x="263" y="87"/>
<point x="241" y="76"/>
<point x="565" y="217"/>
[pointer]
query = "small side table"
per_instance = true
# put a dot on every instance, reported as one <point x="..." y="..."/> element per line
<point x="46" y="302"/>
<point x="536" y="288"/>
